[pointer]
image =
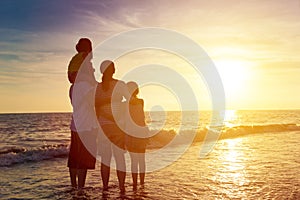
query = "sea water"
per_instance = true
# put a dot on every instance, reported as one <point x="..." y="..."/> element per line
<point x="256" y="157"/>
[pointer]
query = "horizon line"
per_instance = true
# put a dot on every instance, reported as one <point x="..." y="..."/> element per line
<point x="205" y="110"/>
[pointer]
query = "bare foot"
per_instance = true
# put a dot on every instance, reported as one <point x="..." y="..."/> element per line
<point x="80" y="192"/>
<point x="134" y="187"/>
<point x="105" y="188"/>
<point x="122" y="190"/>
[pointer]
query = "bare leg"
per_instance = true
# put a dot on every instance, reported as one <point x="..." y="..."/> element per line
<point x="121" y="167"/>
<point x="142" y="178"/>
<point x="121" y="177"/>
<point x="105" y="170"/>
<point x="134" y="169"/>
<point x="134" y="180"/>
<point x="81" y="178"/>
<point x="142" y="167"/>
<point x="106" y="155"/>
<point x="73" y="174"/>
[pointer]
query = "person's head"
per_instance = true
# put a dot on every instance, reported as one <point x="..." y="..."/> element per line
<point x="84" y="45"/>
<point x="133" y="88"/>
<point x="107" y="67"/>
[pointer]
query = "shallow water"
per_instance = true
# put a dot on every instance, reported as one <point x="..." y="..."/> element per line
<point x="260" y="166"/>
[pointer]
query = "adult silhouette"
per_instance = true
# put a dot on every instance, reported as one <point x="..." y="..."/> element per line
<point x="83" y="127"/>
<point x="109" y="105"/>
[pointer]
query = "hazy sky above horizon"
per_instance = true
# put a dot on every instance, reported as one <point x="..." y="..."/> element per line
<point x="255" y="46"/>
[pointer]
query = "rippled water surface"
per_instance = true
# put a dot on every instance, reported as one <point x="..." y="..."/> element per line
<point x="262" y="166"/>
<point x="260" y="160"/>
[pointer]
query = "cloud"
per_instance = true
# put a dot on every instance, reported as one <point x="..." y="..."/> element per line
<point x="38" y="37"/>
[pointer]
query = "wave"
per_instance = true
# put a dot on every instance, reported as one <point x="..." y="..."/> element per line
<point x="268" y="128"/>
<point x="164" y="137"/>
<point x="16" y="155"/>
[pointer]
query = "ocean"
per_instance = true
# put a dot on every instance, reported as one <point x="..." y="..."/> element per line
<point x="257" y="156"/>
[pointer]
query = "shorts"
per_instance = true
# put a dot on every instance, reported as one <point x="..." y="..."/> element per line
<point x="79" y="156"/>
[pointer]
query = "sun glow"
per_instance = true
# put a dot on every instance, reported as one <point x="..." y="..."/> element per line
<point x="234" y="74"/>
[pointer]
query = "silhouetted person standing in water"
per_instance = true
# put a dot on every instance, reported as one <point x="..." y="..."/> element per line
<point x="109" y="110"/>
<point x="137" y="135"/>
<point x="84" y="130"/>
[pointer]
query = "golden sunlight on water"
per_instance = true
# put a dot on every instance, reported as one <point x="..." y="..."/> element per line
<point x="231" y="166"/>
<point x="230" y="118"/>
<point x="263" y="163"/>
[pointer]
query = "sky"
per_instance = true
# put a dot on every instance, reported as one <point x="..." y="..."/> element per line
<point x="254" y="45"/>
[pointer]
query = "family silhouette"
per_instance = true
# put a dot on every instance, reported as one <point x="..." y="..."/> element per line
<point x="118" y="126"/>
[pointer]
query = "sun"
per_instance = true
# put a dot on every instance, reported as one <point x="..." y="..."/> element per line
<point x="234" y="74"/>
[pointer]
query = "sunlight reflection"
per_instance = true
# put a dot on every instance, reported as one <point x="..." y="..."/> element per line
<point x="232" y="154"/>
<point x="230" y="118"/>
<point x="232" y="165"/>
